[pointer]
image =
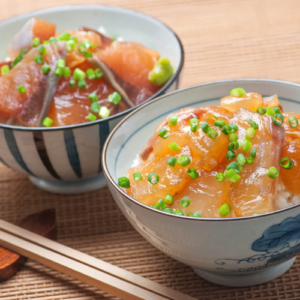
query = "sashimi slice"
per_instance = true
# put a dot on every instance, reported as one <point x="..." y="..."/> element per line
<point x="72" y="105"/>
<point x="271" y="101"/>
<point x="30" y="107"/>
<point x="32" y="29"/>
<point x="255" y="192"/>
<point x="291" y="132"/>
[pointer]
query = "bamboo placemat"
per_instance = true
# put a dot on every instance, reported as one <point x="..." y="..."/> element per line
<point x="222" y="39"/>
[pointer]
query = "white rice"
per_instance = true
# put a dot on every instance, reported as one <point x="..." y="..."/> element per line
<point x="284" y="198"/>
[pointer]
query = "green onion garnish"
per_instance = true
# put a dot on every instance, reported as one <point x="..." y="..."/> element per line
<point x="78" y="74"/>
<point x="38" y="59"/>
<point x="93" y="97"/>
<point x="91" y="74"/>
<point x="65" y="36"/>
<point x="270" y="111"/>
<point x="36" y="41"/>
<point x="192" y="173"/>
<point x="196" y="215"/>
<point x="70" y="45"/>
<point x="46" y="69"/>
<point x="59" y="72"/>
<point x="153" y="178"/>
<point x="241" y="159"/>
<point x="137" y="176"/>
<point x="169" y="199"/>
<point x="47" y="122"/>
<point x="205" y="127"/>
<point x="273" y="173"/>
<point x="250" y="161"/>
<point x="173" y="120"/>
<point x="104" y="112"/>
<point x="61" y="63"/>
<point x="287" y="163"/>
<point x="232" y="175"/>
<point x="178" y="212"/>
<point x="174" y="146"/>
<point x="220" y="177"/>
<point x="238" y="92"/>
<point x="233" y="146"/>
<point x="278" y="119"/>
<point x="235" y="166"/>
<point x="225" y="209"/>
<point x="67" y="72"/>
<point x="245" y="145"/>
<point x="81" y="48"/>
<point x="253" y="154"/>
<point x="160" y="204"/>
<point x="91" y="117"/>
<point x="219" y="123"/>
<point x="277" y="110"/>
<point x="212" y="134"/>
<point x="124" y="182"/>
<point x="232" y="137"/>
<point x="183" y="160"/>
<point x="211" y="116"/>
<point x="153" y="206"/>
<point x="168" y="210"/>
<point x="194" y="123"/>
<point x="230" y="155"/>
<point x="95" y="107"/>
<point x="42" y="50"/>
<point x="225" y="129"/>
<point x="72" y="83"/>
<point x="163" y="133"/>
<point x="75" y="39"/>
<point x="261" y="110"/>
<point x="185" y="202"/>
<point x="98" y="73"/>
<point x="87" y="54"/>
<point x="253" y="124"/>
<point x="21" y="89"/>
<point x="114" y="98"/>
<point x="52" y="40"/>
<point x="172" y="161"/>
<point x="81" y="84"/>
<point x="250" y="134"/>
<point x="293" y="122"/>
<point x="4" y="70"/>
<point x="233" y="128"/>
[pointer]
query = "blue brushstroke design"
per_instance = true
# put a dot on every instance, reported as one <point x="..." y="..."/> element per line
<point x="72" y="152"/>
<point x="103" y="134"/>
<point x="14" y="150"/>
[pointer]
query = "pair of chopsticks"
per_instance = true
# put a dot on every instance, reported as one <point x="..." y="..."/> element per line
<point x="86" y="268"/>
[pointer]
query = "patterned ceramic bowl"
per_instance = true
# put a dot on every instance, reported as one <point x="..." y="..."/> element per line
<point x="67" y="159"/>
<point x="232" y="252"/>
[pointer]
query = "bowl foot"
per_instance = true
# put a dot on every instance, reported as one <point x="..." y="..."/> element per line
<point x="70" y="187"/>
<point x="242" y="280"/>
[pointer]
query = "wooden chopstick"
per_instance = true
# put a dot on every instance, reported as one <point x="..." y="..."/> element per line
<point x="83" y="267"/>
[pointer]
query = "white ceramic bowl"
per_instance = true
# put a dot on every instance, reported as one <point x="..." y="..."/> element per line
<point x="232" y="252"/>
<point x="67" y="159"/>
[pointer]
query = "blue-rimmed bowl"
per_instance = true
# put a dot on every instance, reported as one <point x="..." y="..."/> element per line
<point x="67" y="159"/>
<point x="233" y="252"/>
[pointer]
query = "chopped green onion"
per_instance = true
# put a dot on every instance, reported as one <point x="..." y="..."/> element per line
<point x="163" y="133"/>
<point x="235" y="166"/>
<point x="36" y="41"/>
<point x="61" y="63"/>
<point x="212" y="116"/>
<point x="189" y="214"/>
<point x="241" y="159"/>
<point x="250" y="134"/>
<point x="205" y="127"/>
<point x="78" y="74"/>
<point x="168" y="210"/>
<point x="137" y="176"/>
<point x="192" y="173"/>
<point x="4" y="70"/>
<point x="225" y="129"/>
<point x="245" y="145"/>
<point x="104" y="112"/>
<point x="179" y="212"/>
<point x="81" y="84"/>
<point x="261" y="110"/>
<point x="196" y="215"/>
<point x="87" y="54"/>
<point x="91" y="117"/>
<point x="233" y="146"/>
<point x="238" y="92"/>
<point x="59" y="71"/>
<point x="183" y="160"/>
<point x="293" y="122"/>
<point x="212" y="134"/>
<point x="232" y="175"/>
<point x="174" y="146"/>
<point x="153" y="206"/>
<point x="278" y="119"/>
<point x="270" y="111"/>
<point x="169" y="199"/>
<point x="153" y="178"/>
<point x="220" y="123"/>
<point x="172" y="161"/>
<point x="17" y="60"/>
<point x="114" y="98"/>
<point x="38" y="59"/>
<point x="42" y="50"/>
<point x="95" y="107"/>
<point x="81" y="48"/>
<point x="21" y="89"/>
<point x="87" y="43"/>
<point x="253" y="154"/>
<point x="47" y="122"/>
<point x="232" y="137"/>
<point x="173" y="120"/>
<point x="185" y="202"/>
<point x="75" y="39"/>
<point x="46" y="42"/>
<point x="220" y="177"/>
<point x="194" y="123"/>
<point x="233" y="128"/>
<point x="230" y="155"/>
<point x="250" y="161"/>
<point x="98" y="73"/>
<point x="67" y="72"/>
<point x="273" y="173"/>
<point x="72" y="83"/>
<point x="65" y="36"/>
<point x="124" y="182"/>
<point x="287" y="163"/>
<point x="253" y="124"/>
<point x="46" y="69"/>
<point x="93" y="97"/>
<point x="70" y="45"/>
<point x="225" y="209"/>
<point x="277" y="110"/>
<point x="91" y="74"/>
<point x="160" y="204"/>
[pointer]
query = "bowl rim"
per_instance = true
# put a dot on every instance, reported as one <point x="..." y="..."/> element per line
<point x="119" y="190"/>
<point x="98" y="7"/>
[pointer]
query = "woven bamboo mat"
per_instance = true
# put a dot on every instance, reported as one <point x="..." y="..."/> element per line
<point x="222" y="39"/>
